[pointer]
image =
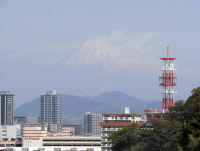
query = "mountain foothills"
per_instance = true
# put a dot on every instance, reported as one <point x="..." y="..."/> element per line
<point x="74" y="107"/>
<point x="179" y="130"/>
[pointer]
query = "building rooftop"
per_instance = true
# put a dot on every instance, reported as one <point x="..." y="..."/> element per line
<point x="152" y="110"/>
<point x="153" y="113"/>
<point x="122" y="114"/>
<point x="120" y="123"/>
<point x="5" y="93"/>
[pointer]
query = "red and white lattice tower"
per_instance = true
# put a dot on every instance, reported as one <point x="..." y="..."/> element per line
<point x="168" y="81"/>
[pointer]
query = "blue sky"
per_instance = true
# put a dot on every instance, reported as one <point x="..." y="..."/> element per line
<point x="33" y="34"/>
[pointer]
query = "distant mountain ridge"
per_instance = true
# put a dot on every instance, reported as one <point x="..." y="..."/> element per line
<point x="74" y="107"/>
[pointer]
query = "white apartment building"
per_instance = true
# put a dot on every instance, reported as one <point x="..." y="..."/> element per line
<point x="115" y="122"/>
<point x="8" y="136"/>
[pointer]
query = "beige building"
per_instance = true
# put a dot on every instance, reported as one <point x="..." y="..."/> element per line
<point x="34" y="136"/>
<point x="66" y="131"/>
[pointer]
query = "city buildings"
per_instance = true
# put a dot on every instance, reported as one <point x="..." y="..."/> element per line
<point x="78" y="130"/>
<point x="115" y="122"/>
<point x="7" y="128"/>
<point x="91" y="124"/>
<point x="20" y="120"/>
<point x="32" y="119"/>
<point x="7" y="108"/>
<point x="68" y="130"/>
<point x="72" y="130"/>
<point x="23" y="120"/>
<point x="50" y="111"/>
<point x="35" y="136"/>
<point x="46" y="132"/>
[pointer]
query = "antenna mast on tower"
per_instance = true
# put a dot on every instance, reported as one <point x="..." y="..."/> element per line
<point x="168" y="81"/>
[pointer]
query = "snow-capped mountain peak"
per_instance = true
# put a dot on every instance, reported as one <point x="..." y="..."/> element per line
<point x="93" y="53"/>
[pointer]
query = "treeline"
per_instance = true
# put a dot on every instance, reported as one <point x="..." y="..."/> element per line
<point x="179" y="130"/>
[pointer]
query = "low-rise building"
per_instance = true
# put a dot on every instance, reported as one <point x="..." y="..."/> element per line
<point x="87" y="142"/>
<point x="20" y="120"/>
<point x="78" y="130"/>
<point x="8" y="136"/>
<point x="32" y="119"/>
<point x="68" y="130"/>
<point x="152" y="115"/>
<point x="67" y="143"/>
<point x="7" y="132"/>
<point x="34" y="136"/>
<point x="73" y="130"/>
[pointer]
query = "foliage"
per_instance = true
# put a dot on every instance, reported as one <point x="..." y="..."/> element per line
<point x="125" y="138"/>
<point x="194" y="143"/>
<point x="165" y="134"/>
<point x="179" y="130"/>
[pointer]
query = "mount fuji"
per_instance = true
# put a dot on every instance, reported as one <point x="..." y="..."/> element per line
<point x="94" y="53"/>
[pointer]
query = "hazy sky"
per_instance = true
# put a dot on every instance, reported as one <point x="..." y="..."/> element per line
<point x="37" y="39"/>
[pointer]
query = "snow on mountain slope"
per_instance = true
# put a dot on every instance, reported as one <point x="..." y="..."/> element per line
<point x="94" y="53"/>
<point x="114" y="51"/>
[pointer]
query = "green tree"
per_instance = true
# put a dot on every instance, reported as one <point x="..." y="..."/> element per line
<point x="127" y="138"/>
<point x="165" y="135"/>
<point x="191" y="125"/>
<point x="176" y="113"/>
<point x="194" y="143"/>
